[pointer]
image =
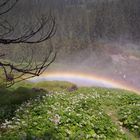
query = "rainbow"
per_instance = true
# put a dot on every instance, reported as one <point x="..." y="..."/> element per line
<point x="82" y="79"/>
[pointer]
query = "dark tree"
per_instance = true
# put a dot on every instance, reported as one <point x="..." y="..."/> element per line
<point x="41" y="29"/>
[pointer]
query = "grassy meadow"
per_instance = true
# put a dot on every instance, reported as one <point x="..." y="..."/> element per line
<point x="61" y="111"/>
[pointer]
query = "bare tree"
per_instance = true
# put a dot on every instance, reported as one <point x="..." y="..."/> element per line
<point x="43" y="29"/>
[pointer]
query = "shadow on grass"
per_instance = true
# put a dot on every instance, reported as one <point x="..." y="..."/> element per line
<point x="49" y="135"/>
<point x="10" y="100"/>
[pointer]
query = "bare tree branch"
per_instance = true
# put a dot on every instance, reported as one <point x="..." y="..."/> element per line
<point x="5" y="3"/>
<point x="30" y="34"/>
<point x="43" y="29"/>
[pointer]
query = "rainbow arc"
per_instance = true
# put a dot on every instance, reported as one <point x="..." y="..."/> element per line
<point x="83" y="79"/>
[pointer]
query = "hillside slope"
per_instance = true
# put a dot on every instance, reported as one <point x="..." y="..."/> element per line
<point x="84" y="113"/>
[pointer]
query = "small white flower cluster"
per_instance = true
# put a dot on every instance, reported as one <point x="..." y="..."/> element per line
<point x="6" y="124"/>
<point x="56" y="119"/>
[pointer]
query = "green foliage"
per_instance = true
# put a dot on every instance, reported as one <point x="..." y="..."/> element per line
<point x="82" y="114"/>
<point x="11" y="99"/>
<point x="130" y="116"/>
<point x="54" y="85"/>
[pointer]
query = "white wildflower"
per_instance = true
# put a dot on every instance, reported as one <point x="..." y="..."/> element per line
<point x="56" y="119"/>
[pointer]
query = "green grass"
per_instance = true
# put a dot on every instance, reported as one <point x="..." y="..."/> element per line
<point x="12" y="98"/>
<point x="86" y="113"/>
<point x="54" y="85"/>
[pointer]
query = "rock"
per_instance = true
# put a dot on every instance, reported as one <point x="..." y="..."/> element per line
<point x="38" y="90"/>
<point x="72" y="88"/>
